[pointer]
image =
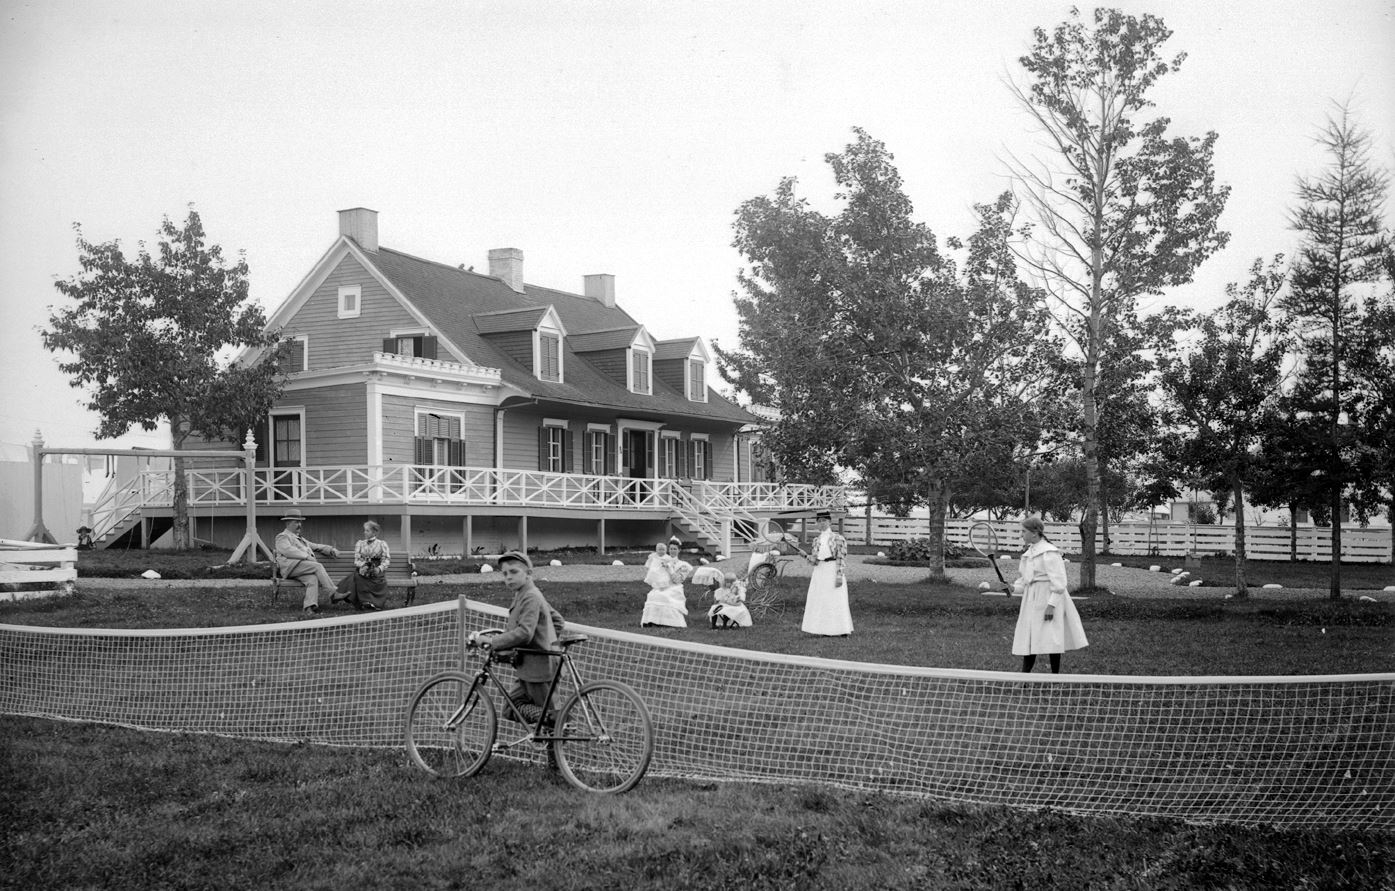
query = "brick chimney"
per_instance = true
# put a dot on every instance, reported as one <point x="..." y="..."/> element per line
<point x="601" y="288"/>
<point x="507" y="264"/>
<point x="360" y="224"/>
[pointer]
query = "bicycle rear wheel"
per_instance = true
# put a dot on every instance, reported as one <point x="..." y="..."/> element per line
<point x="450" y="726"/>
<point x="605" y="738"/>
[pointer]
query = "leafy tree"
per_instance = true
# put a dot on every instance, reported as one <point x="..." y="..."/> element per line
<point x="1341" y="218"/>
<point x="882" y="356"/>
<point x="1120" y="209"/>
<point x="146" y="336"/>
<point x="1223" y="389"/>
<point x="1372" y="373"/>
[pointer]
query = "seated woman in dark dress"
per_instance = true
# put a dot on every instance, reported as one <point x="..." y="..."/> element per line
<point x="366" y="587"/>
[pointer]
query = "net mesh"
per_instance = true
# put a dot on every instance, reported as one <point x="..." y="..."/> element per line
<point x="1284" y="751"/>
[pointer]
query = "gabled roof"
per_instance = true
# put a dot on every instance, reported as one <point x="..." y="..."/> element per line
<point x="510" y="320"/>
<point x="454" y="300"/>
<point x="681" y="348"/>
<point x="614" y="339"/>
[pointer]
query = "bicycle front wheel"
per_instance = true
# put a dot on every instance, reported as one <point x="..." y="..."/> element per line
<point x="450" y="726"/>
<point x="605" y="738"/>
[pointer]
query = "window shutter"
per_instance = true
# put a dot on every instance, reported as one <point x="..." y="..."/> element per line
<point x="423" y="450"/>
<point x="457" y="453"/>
<point x="707" y="460"/>
<point x="428" y="347"/>
<point x="542" y="448"/>
<point x="262" y="435"/>
<point x="624" y="450"/>
<point x="568" y="452"/>
<point x="683" y="448"/>
<point x="609" y="456"/>
<point x="649" y="442"/>
<point x="390" y="344"/>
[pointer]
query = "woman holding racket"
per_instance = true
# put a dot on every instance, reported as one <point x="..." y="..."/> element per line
<point x="1047" y="621"/>
<point x="826" y="608"/>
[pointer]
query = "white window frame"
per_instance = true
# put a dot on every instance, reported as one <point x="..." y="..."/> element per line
<point x="285" y="411"/>
<point x="538" y="335"/>
<point x="399" y="333"/>
<point x="701" y="396"/>
<point x="436" y="440"/>
<point x="630" y="371"/>
<point x="356" y="292"/>
<point x="670" y="441"/>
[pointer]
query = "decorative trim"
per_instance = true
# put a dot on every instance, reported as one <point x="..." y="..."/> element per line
<point x="554" y="422"/>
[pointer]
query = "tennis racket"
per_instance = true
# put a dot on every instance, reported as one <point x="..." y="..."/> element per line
<point x="773" y="532"/>
<point x="985" y="541"/>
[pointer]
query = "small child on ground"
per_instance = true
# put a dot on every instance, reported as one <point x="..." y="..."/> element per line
<point x="533" y="624"/>
<point x="729" y="609"/>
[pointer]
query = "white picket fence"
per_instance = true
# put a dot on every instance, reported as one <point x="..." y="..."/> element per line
<point x="27" y="562"/>
<point x="1370" y="545"/>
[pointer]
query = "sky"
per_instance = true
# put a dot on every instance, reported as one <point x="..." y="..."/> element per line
<point x="597" y="137"/>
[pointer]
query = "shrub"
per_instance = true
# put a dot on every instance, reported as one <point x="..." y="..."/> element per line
<point x="917" y="550"/>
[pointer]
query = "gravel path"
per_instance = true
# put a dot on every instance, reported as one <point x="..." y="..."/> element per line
<point x="1124" y="581"/>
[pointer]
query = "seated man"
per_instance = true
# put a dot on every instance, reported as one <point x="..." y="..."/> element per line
<point x="295" y="557"/>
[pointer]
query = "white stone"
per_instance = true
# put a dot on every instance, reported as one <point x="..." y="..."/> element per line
<point x="1388" y="588"/>
<point x="702" y="560"/>
<point x="1176" y="580"/>
<point x="1116" y="564"/>
<point x="881" y="553"/>
<point x="150" y="574"/>
<point x="983" y="586"/>
<point x="1194" y="584"/>
<point x="1366" y="599"/>
<point x="486" y="568"/>
<point x="555" y="563"/>
<point x="617" y="563"/>
<point x="1176" y="571"/>
<point x="1273" y="586"/>
<point x="721" y="557"/>
<point x="1230" y="597"/>
<point x="1155" y="568"/>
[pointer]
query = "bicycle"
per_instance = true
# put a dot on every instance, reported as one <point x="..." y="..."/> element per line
<point x="602" y="737"/>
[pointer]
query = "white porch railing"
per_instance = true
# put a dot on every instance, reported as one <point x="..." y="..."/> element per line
<point x="469" y="486"/>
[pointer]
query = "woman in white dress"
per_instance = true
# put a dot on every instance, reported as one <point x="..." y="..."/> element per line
<point x="666" y="604"/>
<point x="1047" y="621"/>
<point x="826" y="609"/>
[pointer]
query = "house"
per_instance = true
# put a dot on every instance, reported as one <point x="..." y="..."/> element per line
<point x="471" y="412"/>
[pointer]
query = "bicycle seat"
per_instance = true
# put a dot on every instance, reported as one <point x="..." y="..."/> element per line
<point x="575" y="637"/>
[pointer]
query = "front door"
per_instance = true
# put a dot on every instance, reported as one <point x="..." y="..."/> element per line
<point x="638" y="458"/>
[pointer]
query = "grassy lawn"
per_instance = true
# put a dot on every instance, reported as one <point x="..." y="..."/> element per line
<point x="88" y="806"/>
<point x="943" y="626"/>
<point x="95" y="806"/>
<point x="1220" y="572"/>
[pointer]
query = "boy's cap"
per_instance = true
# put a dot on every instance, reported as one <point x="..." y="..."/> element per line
<point x="517" y="557"/>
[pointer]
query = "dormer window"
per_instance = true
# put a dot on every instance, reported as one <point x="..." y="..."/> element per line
<point x="697" y="380"/>
<point x="641" y="371"/>
<point x="350" y="301"/>
<point x="549" y="354"/>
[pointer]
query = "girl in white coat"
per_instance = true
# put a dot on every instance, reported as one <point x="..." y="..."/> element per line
<point x="1047" y="621"/>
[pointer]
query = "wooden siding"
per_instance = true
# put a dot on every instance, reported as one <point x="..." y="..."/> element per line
<point x="334" y="341"/>
<point x="399" y="428"/>
<point x="336" y="424"/>
<point x="672" y="372"/>
<point x="611" y="363"/>
<point x="517" y="345"/>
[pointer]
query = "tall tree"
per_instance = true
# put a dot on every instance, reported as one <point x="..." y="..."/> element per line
<point x="147" y="339"/>
<point x="1120" y="209"/>
<point x="882" y="356"/>
<point x="1341" y="218"/>
<point x="1223" y="389"/>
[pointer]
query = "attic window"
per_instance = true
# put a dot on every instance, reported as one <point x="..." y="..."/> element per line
<point x="549" y="356"/>
<point x="350" y="301"/>
<point x="640" y="371"/>
<point x="411" y="344"/>
<point x="697" y="380"/>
